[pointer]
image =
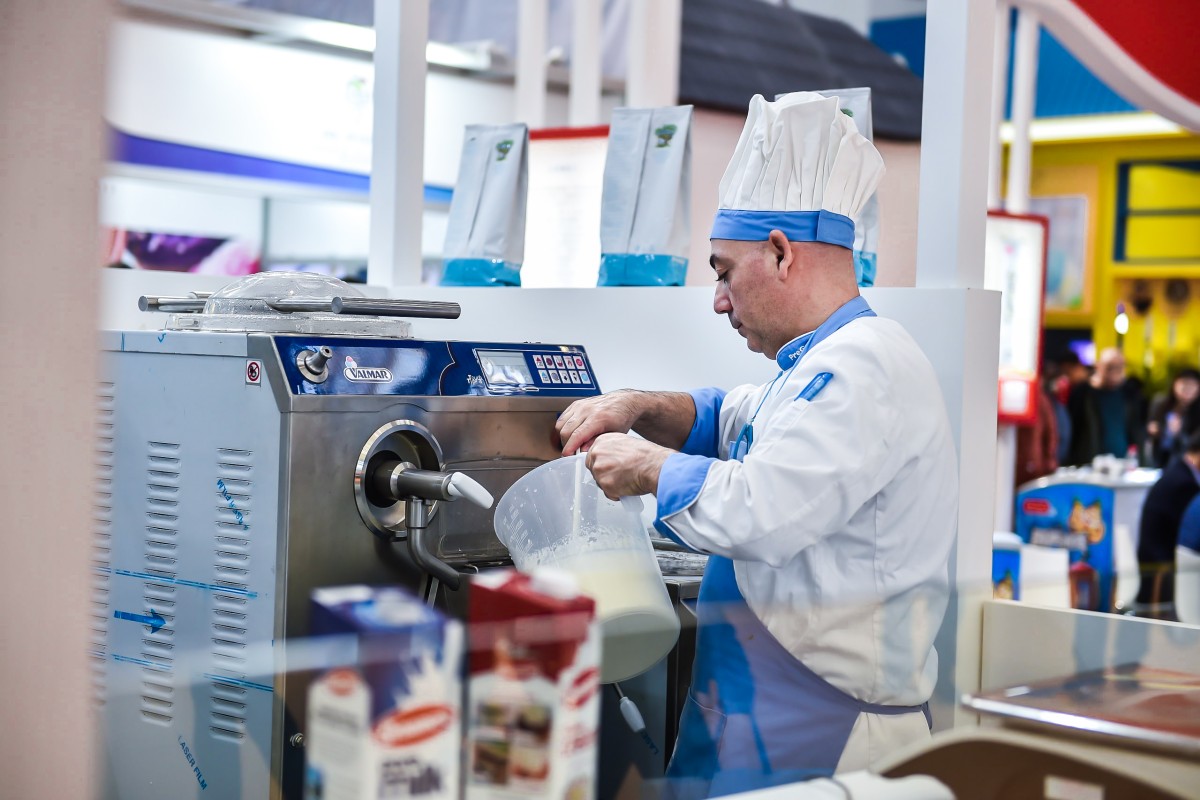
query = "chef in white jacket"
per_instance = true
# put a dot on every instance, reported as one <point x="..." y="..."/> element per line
<point x="827" y="496"/>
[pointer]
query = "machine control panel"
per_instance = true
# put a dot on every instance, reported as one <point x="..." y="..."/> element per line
<point x="546" y="369"/>
<point x="355" y="366"/>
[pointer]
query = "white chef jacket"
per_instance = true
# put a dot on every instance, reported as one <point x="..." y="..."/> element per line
<point x="841" y="518"/>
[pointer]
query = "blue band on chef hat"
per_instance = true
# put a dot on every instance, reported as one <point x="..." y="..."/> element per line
<point x="798" y="226"/>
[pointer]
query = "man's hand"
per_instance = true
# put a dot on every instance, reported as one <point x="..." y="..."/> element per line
<point x="584" y="420"/>
<point x="625" y="466"/>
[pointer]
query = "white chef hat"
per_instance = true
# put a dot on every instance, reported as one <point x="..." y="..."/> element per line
<point x="801" y="167"/>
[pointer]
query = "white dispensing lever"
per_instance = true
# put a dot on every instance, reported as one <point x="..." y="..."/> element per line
<point x="469" y="489"/>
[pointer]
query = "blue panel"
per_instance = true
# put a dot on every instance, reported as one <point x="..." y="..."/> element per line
<point x="1065" y="87"/>
<point x="131" y="149"/>
<point x="904" y="36"/>
<point x="441" y="369"/>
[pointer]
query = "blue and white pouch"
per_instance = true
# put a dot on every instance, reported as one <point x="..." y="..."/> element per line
<point x="856" y="103"/>
<point x="485" y="234"/>
<point x="645" y="215"/>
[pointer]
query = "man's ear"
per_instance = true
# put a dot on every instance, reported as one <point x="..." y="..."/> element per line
<point x="781" y="251"/>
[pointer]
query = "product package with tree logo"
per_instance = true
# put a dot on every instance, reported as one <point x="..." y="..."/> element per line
<point x="485" y="235"/>
<point x="645" y="216"/>
<point x="856" y="103"/>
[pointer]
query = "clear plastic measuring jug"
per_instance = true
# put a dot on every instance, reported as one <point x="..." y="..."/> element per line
<point x="556" y="515"/>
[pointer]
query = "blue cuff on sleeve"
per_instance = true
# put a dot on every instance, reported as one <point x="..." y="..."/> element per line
<point x="679" y="484"/>
<point x="702" y="441"/>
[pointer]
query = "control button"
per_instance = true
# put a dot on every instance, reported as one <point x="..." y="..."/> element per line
<point x="558" y="362"/>
<point x="579" y="362"/>
<point x="563" y="376"/>
<point x="544" y="376"/>
<point x="537" y="361"/>
<point x="574" y="376"/>
<point x="583" y="376"/>
<point x="554" y="376"/>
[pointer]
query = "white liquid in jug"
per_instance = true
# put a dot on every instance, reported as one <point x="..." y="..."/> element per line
<point x="636" y="619"/>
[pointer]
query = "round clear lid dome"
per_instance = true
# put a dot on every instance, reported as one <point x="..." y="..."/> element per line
<point x="246" y="305"/>
<point x="254" y="294"/>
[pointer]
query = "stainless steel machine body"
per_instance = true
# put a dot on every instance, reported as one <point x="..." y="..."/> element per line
<point x="233" y="482"/>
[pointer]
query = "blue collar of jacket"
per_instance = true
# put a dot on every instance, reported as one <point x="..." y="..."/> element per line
<point x="791" y="352"/>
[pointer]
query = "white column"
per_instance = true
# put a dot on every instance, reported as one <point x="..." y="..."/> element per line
<point x="999" y="90"/>
<point x="531" y="62"/>
<point x="52" y="55"/>
<point x="1024" y="91"/>
<point x="583" y="103"/>
<point x="955" y="123"/>
<point x="955" y="127"/>
<point x="398" y="143"/>
<point x="652" y="75"/>
<point x="1006" y="435"/>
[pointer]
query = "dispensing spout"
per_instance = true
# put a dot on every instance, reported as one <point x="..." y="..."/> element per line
<point x="418" y="489"/>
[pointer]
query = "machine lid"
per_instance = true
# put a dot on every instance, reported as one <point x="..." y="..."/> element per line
<point x="295" y="302"/>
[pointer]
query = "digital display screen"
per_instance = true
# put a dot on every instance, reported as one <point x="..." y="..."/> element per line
<point x="504" y="368"/>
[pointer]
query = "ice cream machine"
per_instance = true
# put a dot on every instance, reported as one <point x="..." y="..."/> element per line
<point x="283" y="434"/>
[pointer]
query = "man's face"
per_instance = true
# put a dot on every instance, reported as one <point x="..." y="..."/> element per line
<point x="745" y="276"/>
<point x="1187" y="389"/>
<point x="1111" y="370"/>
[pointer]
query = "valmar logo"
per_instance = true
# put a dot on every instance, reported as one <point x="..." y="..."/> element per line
<point x="1037" y="506"/>
<point x="404" y="728"/>
<point x="354" y="372"/>
<point x="583" y="688"/>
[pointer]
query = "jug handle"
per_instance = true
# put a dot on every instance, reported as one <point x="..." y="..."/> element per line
<point x="633" y="503"/>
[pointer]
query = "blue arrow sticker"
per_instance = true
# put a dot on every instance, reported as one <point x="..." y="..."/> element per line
<point x="154" y="619"/>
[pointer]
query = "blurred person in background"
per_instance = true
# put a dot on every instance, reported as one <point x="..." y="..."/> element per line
<point x="1057" y="386"/>
<point x="1037" y="444"/>
<point x="1162" y="515"/>
<point x="1105" y="419"/>
<point x="1173" y="414"/>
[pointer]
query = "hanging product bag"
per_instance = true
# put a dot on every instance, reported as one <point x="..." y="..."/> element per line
<point x="645" y="220"/>
<point x="485" y="235"/>
<point x="856" y="103"/>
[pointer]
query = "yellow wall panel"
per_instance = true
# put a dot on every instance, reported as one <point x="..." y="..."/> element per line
<point x="1154" y="187"/>
<point x="1170" y="237"/>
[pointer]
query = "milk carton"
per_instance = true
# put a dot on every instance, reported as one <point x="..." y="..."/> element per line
<point x="533" y="701"/>
<point x="385" y="722"/>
